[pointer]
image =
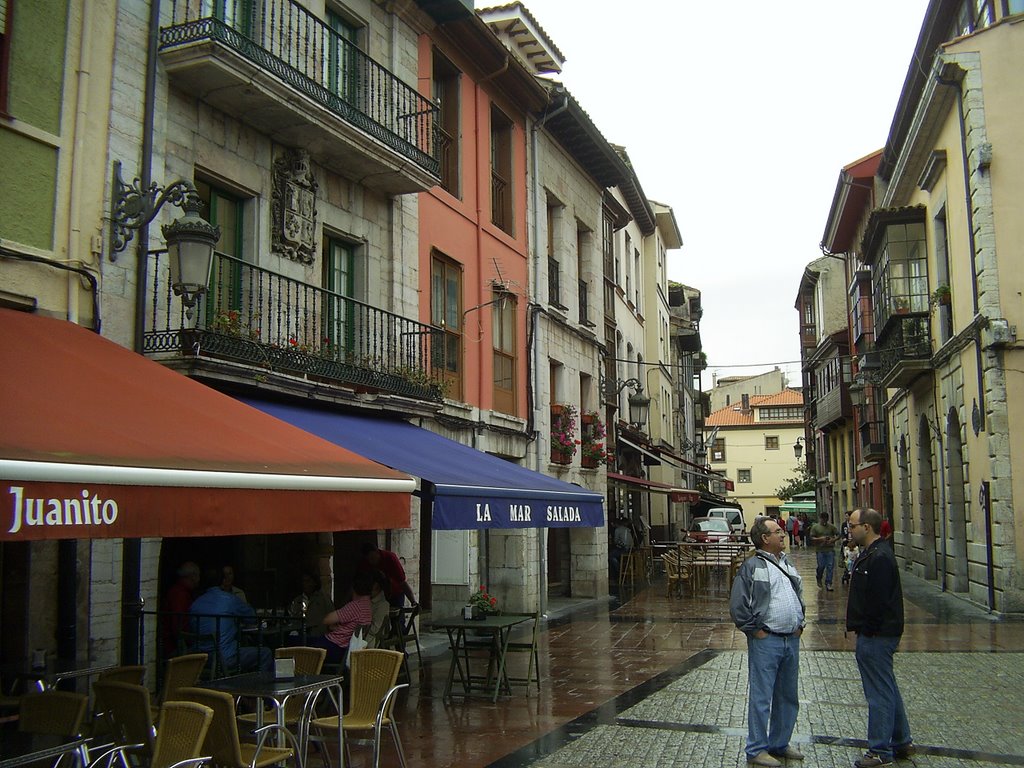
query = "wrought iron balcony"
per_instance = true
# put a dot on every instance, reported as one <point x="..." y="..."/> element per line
<point x="872" y="440"/>
<point x="904" y="349"/>
<point x="274" y="323"/>
<point x="279" y="68"/>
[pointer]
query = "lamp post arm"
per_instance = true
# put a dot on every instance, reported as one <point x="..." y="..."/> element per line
<point x="133" y="207"/>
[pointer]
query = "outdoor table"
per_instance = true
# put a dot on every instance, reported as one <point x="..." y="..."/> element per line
<point x="499" y="628"/>
<point x="263" y="685"/>
<point x="17" y="748"/>
<point x="56" y="670"/>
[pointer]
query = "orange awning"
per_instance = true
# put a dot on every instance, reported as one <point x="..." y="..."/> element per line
<point x="97" y="441"/>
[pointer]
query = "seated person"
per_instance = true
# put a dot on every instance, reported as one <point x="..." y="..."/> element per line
<point x="228" y="583"/>
<point x="317" y="604"/>
<point x="218" y="615"/>
<point x="177" y="601"/>
<point x="343" y="622"/>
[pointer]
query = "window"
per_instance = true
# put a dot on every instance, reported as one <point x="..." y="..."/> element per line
<point x="771" y="442"/>
<point x="340" y="278"/>
<point x="554" y="218"/>
<point x="781" y="413"/>
<point x="225" y="210"/>
<point x="608" y="256"/>
<point x="501" y="170"/>
<point x="446" y="93"/>
<point x="742" y="475"/>
<point x="582" y="248"/>
<point x="718" y="450"/>
<point x="344" y="60"/>
<point x="900" y="271"/>
<point x="446" y="314"/>
<point x="636" y="279"/>
<point x="6" y="30"/>
<point x="504" y="333"/>
<point x="234" y="14"/>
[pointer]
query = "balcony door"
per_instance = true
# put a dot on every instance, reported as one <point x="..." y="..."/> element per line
<point x="225" y="294"/>
<point x="343" y="59"/>
<point x="446" y="314"/>
<point x="236" y="14"/>
<point x="340" y="314"/>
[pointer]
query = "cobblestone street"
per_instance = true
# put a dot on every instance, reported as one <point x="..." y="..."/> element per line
<point x="658" y="681"/>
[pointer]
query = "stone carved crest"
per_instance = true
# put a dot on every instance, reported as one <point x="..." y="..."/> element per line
<point x="294" y="207"/>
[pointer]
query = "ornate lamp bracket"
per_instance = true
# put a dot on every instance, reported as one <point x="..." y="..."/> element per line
<point x="133" y="207"/>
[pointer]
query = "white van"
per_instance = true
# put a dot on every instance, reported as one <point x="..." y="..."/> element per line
<point x="731" y="515"/>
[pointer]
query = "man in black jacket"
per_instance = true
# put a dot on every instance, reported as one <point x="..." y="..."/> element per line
<point x="875" y="612"/>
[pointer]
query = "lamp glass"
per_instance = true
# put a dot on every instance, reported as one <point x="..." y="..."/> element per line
<point x="798" y="447"/>
<point x="190" y="262"/>
<point x="639" y="408"/>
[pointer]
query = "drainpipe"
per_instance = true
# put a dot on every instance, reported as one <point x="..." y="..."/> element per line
<point x="534" y="318"/>
<point x="942" y="488"/>
<point x="131" y="563"/>
<point x="973" y="252"/>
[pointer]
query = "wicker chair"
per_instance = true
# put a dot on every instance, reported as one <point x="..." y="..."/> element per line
<point x="371" y="701"/>
<point x="181" y="731"/>
<point x="60" y="713"/>
<point x="123" y="714"/>
<point x="308" y="661"/>
<point x="182" y="672"/>
<point x="222" y="740"/>
<point x="135" y="675"/>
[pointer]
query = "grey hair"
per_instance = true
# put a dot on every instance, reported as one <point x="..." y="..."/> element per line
<point x="759" y="530"/>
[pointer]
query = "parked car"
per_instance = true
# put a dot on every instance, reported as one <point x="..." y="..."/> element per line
<point x="708" y="529"/>
<point x="731" y="515"/>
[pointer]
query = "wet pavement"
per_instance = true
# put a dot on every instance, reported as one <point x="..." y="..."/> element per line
<point x="649" y="680"/>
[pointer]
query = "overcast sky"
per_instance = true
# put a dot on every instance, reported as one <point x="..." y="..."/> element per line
<point x="741" y="122"/>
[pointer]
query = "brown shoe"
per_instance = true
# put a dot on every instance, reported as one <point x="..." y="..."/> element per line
<point x="789" y="753"/>
<point x="905" y="752"/>
<point x="763" y="758"/>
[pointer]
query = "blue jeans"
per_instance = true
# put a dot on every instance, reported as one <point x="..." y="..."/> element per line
<point x="772" y="666"/>
<point x="887" y="719"/>
<point x="826" y="564"/>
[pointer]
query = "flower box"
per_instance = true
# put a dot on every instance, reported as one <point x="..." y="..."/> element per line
<point x="590" y="462"/>
<point x="560" y="457"/>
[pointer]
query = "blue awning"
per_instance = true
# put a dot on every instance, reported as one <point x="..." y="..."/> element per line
<point x="472" y="489"/>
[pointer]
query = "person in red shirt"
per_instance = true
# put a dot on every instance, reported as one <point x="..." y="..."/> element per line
<point x="177" y="600"/>
<point x="886" y="530"/>
<point x="386" y="562"/>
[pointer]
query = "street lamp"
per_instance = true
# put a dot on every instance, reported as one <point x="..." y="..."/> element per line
<point x="190" y="238"/>
<point x="639" y="404"/>
<point x="798" y="448"/>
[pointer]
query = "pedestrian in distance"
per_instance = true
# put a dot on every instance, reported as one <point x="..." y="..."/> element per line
<point x="793" y="528"/>
<point x="874" y="611"/>
<point x="767" y="606"/>
<point x="823" y="537"/>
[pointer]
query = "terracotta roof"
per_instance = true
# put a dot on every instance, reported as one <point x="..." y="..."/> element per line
<point x="733" y="415"/>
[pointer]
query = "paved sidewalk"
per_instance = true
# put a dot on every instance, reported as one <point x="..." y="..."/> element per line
<point x="657" y="681"/>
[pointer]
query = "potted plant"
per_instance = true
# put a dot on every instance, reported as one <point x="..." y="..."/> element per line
<point x="563" y="434"/>
<point x="901" y="304"/>
<point x="940" y="296"/>
<point x="592" y="446"/>
<point x="481" y="604"/>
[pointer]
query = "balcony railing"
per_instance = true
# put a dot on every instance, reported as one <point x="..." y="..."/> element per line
<point x="584" y="302"/>
<point x="500" y="209"/>
<point x="554" y="282"/>
<point x="905" y="349"/>
<point x="282" y="37"/>
<point x="261" y="318"/>
<point x="872" y="440"/>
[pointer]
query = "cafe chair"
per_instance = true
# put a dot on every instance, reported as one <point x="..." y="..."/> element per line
<point x="222" y="741"/>
<point x="374" y="672"/>
<point x="529" y="647"/>
<point x="181" y="730"/>
<point x="60" y="713"/>
<point x="131" y="674"/>
<point x="308" y="661"/>
<point x="181" y="672"/>
<point x="123" y="717"/>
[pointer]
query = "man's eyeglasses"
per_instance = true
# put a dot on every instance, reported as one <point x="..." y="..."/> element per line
<point x="855" y="525"/>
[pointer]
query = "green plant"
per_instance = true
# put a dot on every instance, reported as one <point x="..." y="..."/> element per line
<point x="484" y="602"/>
<point x="941" y="295"/>
<point x="563" y="430"/>
<point x="901" y="304"/>
<point x="592" y="445"/>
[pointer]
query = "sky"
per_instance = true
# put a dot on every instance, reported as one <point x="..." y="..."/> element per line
<point x="741" y="123"/>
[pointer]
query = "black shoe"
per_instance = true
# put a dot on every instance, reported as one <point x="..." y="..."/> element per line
<point x="819" y="583"/>
<point x="871" y="760"/>
<point x="828" y="587"/>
